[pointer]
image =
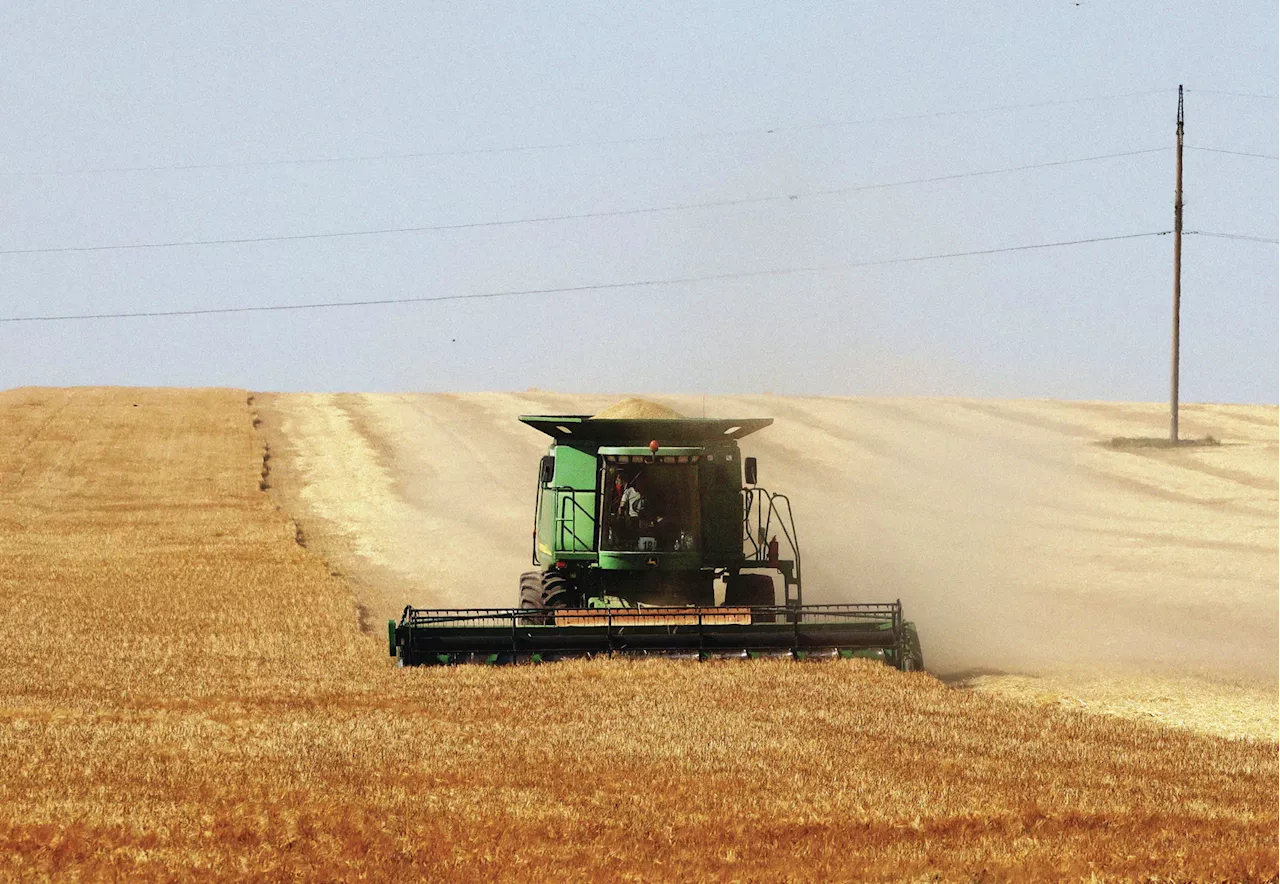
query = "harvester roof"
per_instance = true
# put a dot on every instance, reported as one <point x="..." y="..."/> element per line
<point x="639" y="431"/>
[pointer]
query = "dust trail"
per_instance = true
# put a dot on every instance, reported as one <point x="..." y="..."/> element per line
<point x="1015" y="543"/>
<point x="1025" y="548"/>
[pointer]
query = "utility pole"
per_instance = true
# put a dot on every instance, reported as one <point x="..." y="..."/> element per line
<point x="1177" y="283"/>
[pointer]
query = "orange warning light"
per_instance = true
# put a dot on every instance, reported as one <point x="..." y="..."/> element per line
<point x="653" y="446"/>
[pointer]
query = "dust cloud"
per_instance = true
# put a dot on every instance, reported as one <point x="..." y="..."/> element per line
<point x="1019" y="545"/>
<point x="1015" y="542"/>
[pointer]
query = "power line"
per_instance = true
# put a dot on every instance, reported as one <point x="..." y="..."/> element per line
<point x="646" y="283"/>
<point x="544" y="219"/>
<point x="1234" y="153"/>
<point x="1237" y="94"/>
<point x="980" y="174"/>
<point x="1027" y="248"/>
<point x="564" y="145"/>
<point x="1232" y="236"/>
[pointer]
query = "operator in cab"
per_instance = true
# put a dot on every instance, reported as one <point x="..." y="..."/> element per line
<point x="636" y="515"/>
<point x="632" y="502"/>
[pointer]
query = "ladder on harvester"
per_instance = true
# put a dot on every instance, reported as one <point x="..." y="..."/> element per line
<point x="763" y="513"/>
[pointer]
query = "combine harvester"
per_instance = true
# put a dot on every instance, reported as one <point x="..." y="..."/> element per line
<point x="638" y="521"/>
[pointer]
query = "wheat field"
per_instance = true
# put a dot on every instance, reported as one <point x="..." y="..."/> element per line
<point x="186" y="692"/>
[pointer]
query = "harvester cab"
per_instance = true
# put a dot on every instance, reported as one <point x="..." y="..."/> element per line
<point x="653" y="536"/>
<point x="651" y="512"/>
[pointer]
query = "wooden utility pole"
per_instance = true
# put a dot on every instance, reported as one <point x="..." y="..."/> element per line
<point x="1177" y="283"/>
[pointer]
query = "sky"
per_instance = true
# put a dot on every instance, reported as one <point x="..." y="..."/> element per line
<point x="141" y="125"/>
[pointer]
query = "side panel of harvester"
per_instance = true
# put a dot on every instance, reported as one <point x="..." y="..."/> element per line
<point x="721" y="488"/>
<point x="565" y="524"/>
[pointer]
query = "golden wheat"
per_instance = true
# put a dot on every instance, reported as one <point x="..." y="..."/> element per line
<point x="185" y="693"/>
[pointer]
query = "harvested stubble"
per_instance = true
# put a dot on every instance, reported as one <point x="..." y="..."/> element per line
<point x="185" y="693"/>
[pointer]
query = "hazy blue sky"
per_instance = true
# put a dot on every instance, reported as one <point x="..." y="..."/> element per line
<point x="101" y="86"/>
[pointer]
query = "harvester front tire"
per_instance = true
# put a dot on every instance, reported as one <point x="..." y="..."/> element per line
<point x="531" y="589"/>
<point x="749" y="590"/>
<point x="557" y="590"/>
<point x="540" y="590"/>
<point x="910" y="657"/>
<point x="754" y="591"/>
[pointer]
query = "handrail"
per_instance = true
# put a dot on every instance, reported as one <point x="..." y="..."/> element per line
<point x="754" y="502"/>
<point x="537" y="520"/>
<point x="568" y="498"/>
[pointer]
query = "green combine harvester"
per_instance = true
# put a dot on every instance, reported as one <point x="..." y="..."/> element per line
<point x="651" y="537"/>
